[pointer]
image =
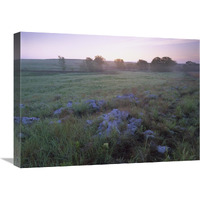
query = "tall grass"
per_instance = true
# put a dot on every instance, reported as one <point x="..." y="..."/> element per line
<point x="173" y="116"/>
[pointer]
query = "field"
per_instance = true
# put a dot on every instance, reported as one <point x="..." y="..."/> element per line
<point x="167" y="104"/>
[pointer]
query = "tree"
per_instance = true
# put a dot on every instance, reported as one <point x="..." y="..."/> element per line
<point x="156" y="61"/>
<point x="167" y="61"/>
<point x="190" y="63"/>
<point x="93" y="65"/>
<point x="190" y="66"/>
<point x="88" y="60"/>
<point x="119" y="63"/>
<point x="99" y="61"/>
<point x="142" y="65"/>
<point x="61" y="62"/>
<point x="162" y="64"/>
<point x="89" y="64"/>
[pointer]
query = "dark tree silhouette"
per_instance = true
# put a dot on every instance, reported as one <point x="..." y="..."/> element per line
<point x="142" y="65"/>
<point x="99" y="61"/>
<point x="119" y="63"/>
<point x="162" y="64"/>
<point x="167" y="61"/>
<point x="93" y="65"/>
<point x="88" y="59"/>
<point x="190" y="63"/>
<point x="191" y="66"/>
<point x="156" y="61"/>
<point x="61" y="62"/>
<point x="89" y="64"/>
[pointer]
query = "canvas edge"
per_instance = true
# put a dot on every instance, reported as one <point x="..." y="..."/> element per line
<point x="17" y="112"/>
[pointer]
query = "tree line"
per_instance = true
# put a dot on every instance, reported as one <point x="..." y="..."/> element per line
<point x="164" y="64"/>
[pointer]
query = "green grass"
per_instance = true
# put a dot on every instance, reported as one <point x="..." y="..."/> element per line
<point x="50" y="64"/>
<point x="173" y="116"/>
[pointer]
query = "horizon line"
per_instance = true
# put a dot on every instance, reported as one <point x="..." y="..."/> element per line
<point x="105" y="60"/>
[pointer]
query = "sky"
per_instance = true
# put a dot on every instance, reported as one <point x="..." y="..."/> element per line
<point x="74" y="46"/>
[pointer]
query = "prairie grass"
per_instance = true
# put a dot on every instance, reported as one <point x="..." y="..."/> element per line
<point x="173" y="116"/>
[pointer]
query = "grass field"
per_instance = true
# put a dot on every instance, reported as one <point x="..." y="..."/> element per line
<point x="49" y="64"/>
<point x="173" y="116"/>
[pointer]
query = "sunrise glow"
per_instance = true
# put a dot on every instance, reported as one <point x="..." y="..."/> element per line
<point x="50" y="45"/>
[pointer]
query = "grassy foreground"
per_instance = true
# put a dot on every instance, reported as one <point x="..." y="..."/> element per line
<point x="173" y="116"/>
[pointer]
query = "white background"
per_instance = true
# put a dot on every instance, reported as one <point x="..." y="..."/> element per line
<point x="156" y="18"/>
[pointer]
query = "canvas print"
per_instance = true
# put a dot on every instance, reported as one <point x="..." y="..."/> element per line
<point x="90" y="99"/>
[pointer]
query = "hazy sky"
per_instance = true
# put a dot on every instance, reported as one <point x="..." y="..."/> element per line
<point x="50" y="45"/>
